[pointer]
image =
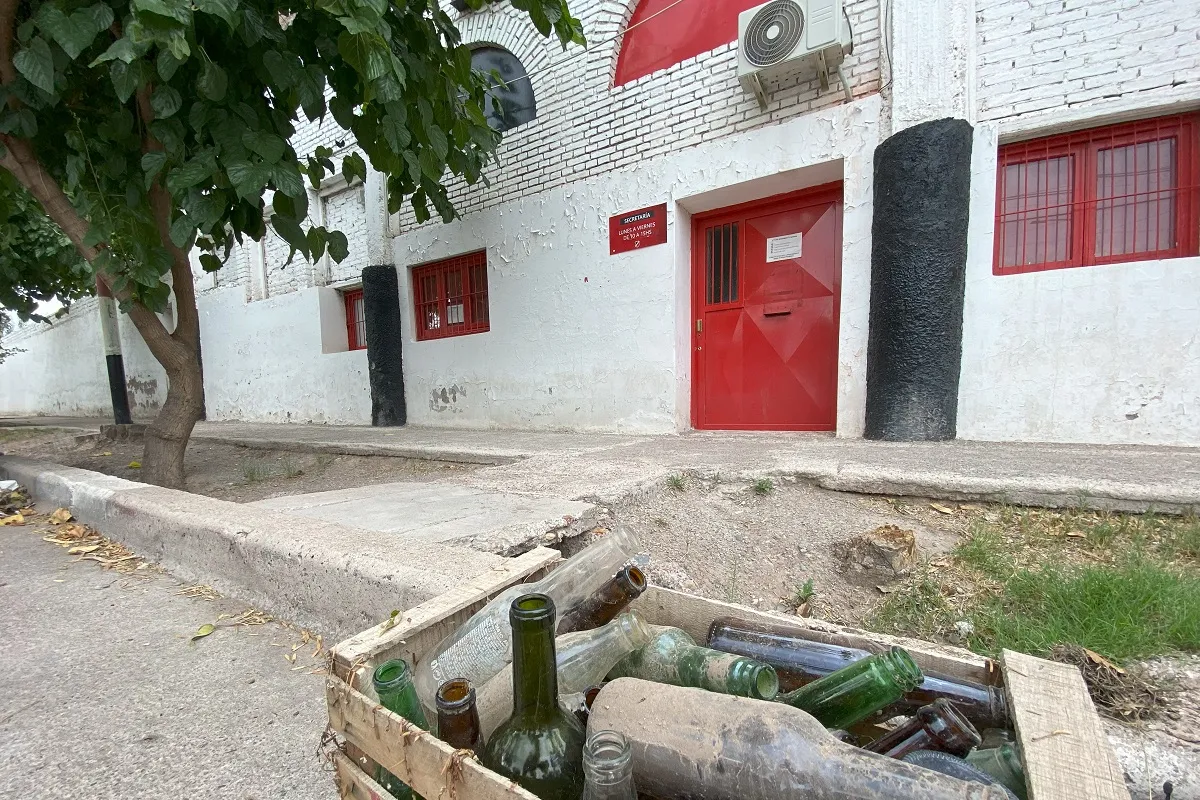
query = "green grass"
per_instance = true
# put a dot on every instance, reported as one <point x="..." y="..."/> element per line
<point x="676" y="483"/>
<point x="804" y="593"/>
<point x="763" y="486"/>
<point x="1124" y="585"/>
<point x="256" y="471"/>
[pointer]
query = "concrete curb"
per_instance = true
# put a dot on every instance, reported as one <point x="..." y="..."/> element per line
<point x="332" y="578"/>
<point x="423" y="453"/>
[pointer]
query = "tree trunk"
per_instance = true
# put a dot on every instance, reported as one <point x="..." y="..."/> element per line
<point x="167" y="437"/>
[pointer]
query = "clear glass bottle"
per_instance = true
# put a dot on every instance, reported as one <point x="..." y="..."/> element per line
<point x="540" y="746"/>
<point x="937" y="726"/>
<point x="608" y="601"/>
<point x="690" y="744"/>
<point x="608" y="768"/>
<point x="394" y="685"/>
<point x="799" y="661"/>
<point x="673" y="657"/>
<point x="857" y="691"/>
<point x="457" y="716"/>
<point x="583" y="657"/>
<point x="480" y="648"/>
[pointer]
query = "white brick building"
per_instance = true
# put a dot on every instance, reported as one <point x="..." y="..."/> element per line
<point x="1079" y="326"/>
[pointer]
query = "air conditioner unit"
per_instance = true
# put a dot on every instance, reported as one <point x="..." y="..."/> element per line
<point x="782" y="37"/>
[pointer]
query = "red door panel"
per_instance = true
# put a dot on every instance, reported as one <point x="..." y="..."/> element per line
<point x="767" y="323"/>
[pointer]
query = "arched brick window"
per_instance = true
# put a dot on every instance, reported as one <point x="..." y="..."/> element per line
<point x="689" y="29"/>
<point x="511" y="102"/>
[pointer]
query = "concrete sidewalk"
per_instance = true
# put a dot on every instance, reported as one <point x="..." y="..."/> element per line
<point x="608" y="468"/>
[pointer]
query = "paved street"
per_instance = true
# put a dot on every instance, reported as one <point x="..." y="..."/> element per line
<point x="105" y="697"/>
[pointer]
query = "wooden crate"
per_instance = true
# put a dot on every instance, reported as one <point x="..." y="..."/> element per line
<point x="1062" y="740"/>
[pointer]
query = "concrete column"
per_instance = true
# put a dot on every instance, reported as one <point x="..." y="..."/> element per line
<point x="110" y="336"/>
<point x="932" y="61"/>
<point x="379" y="238"/>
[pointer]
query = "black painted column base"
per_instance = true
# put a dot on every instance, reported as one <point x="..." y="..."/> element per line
<point x="116" y="388"/>
<point x="385" y="339"/>
<point x="922" y="197"/>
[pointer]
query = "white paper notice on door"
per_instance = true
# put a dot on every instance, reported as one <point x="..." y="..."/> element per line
<point x="781" y="248"/>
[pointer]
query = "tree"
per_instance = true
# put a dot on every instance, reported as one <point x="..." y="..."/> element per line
<point x="147" y="127"/>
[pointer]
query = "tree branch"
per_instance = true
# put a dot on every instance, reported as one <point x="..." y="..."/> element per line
<point x="8" y="19"/>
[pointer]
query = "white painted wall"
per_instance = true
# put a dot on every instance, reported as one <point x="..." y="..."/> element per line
<point x="585" y="340"/>
<point x="1105" y="354"/>
<point x="267" y="361"/>
<point x="63" y="372"/>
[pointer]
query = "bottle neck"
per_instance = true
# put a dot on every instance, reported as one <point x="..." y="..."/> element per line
<point x="458" y="719"/>
<point x="535" y="673"/>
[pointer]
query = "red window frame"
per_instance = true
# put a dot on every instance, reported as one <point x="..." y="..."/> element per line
<point x="450" y="297"/>
<point x="1084" y="208"/>
<point x="356" y="321"/>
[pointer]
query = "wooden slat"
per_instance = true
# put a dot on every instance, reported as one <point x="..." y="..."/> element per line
<point x="694" y="614"/>
<point x="1063" y="743"/>
<point x="430" y="766"/>
<point x="353" y="783"/>
<point x="420" y="628"/>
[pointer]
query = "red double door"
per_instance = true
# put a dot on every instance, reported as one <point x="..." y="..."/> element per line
<point x="767" y="282"/>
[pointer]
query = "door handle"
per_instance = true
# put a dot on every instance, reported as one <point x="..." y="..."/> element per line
<point x="777" y="313"/>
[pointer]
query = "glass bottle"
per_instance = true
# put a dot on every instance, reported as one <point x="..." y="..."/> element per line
<point x="608" y="601"/>
<point x="937" y="726"/>
<point x="481" y="647"/>
<point x="799" y="661"/>
<point x="584" y="710"/>
<point x="1002" y="763"/>
<point x="687" y="743"/>
<point x="540" y="746"/>
<point x="457" y="716"/>
<point x="854" y="692"/>
<point x="394" y="686"/>
<point x="671" y="656"/>
<point x="608" y="768"/>
<point x="583" y="658"/>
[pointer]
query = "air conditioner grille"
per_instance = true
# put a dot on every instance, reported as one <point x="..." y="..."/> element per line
<point x="773" y="33"/>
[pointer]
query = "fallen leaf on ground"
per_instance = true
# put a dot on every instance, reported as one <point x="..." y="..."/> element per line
<point x="107" y="453"/>
<point x="1076" y="535"/>
<point x="60" y="516"/>
<point x="15" y="519"/>
<point x="84" y="548"/>
<point x="390" y="622"/>
<point x="135" y="465"/>
<point x="886" y="589"/>
<point x="203" y="631"/>
<point x="941" y="509"/>
<point x="1102" y="661"/>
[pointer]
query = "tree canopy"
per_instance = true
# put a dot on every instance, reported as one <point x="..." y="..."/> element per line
<point x="145" y="128"/>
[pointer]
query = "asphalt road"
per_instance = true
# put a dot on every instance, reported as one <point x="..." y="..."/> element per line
<point x="104" y="696"/>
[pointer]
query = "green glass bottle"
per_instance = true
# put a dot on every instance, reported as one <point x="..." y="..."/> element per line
<point x="1002" y="763"/>
<point x="394" y="686"/>
<point x="541" y="745"/>
<point x="673" y="657"/>
<point x="853" y="693"/>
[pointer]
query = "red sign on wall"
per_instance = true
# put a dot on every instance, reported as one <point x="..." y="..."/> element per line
<point x="634" y="230"/>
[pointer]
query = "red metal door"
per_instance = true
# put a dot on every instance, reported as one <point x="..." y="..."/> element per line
<point x="767" y="280"/>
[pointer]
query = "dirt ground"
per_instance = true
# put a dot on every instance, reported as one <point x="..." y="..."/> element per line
<point x="227" y="472"/>
<point x="731" y="543"/>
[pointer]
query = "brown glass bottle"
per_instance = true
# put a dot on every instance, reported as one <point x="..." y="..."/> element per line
<point x="457" y="717"/>
<point x="606" y="602"/>
<point x="937" y="726"/>
<point x="799" y="661"/>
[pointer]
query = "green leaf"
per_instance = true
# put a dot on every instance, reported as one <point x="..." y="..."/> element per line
<point x="213" y="82"/>
<point x="178" y="10"/>
<point x="76" y="32"/>
<point x="267" y="145"/>
<point x="165" y="101"/>
<point x="124" y="50"/>
<point x="339" y="248"/>
<point x="219" y="8"/>
<point x="205" y="629"/>
<point x="431" y="166"/>
<point x="36" y="64"/>
<point x="125" y="80"/>
<point x="209" y="262"/>
<point x="437" y="139"/>
<point x="316" y="242"/>
<point x="188" y="174"/>
<point x="368" y="53"/>
<point x="152" y="164"/>
<point x="101" y="15"/>
<point x="167" y="64"/>
<point x="286" y="178"/>
<point x="353" y="166"/>
<point x="248" y="179"/>
<point x="181" y="230"/>
<point x="289" y="229"/>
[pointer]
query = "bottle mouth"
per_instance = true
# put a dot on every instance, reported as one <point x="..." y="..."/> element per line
<point x="532" y="607"/>
<point x="455" y="695"/>
<point x="636" y="578"/>
<point x="607" y="757"/>
<point x="766" y="682"/>
<point x="904" y="669"/>
<point x="391" y="673"/>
